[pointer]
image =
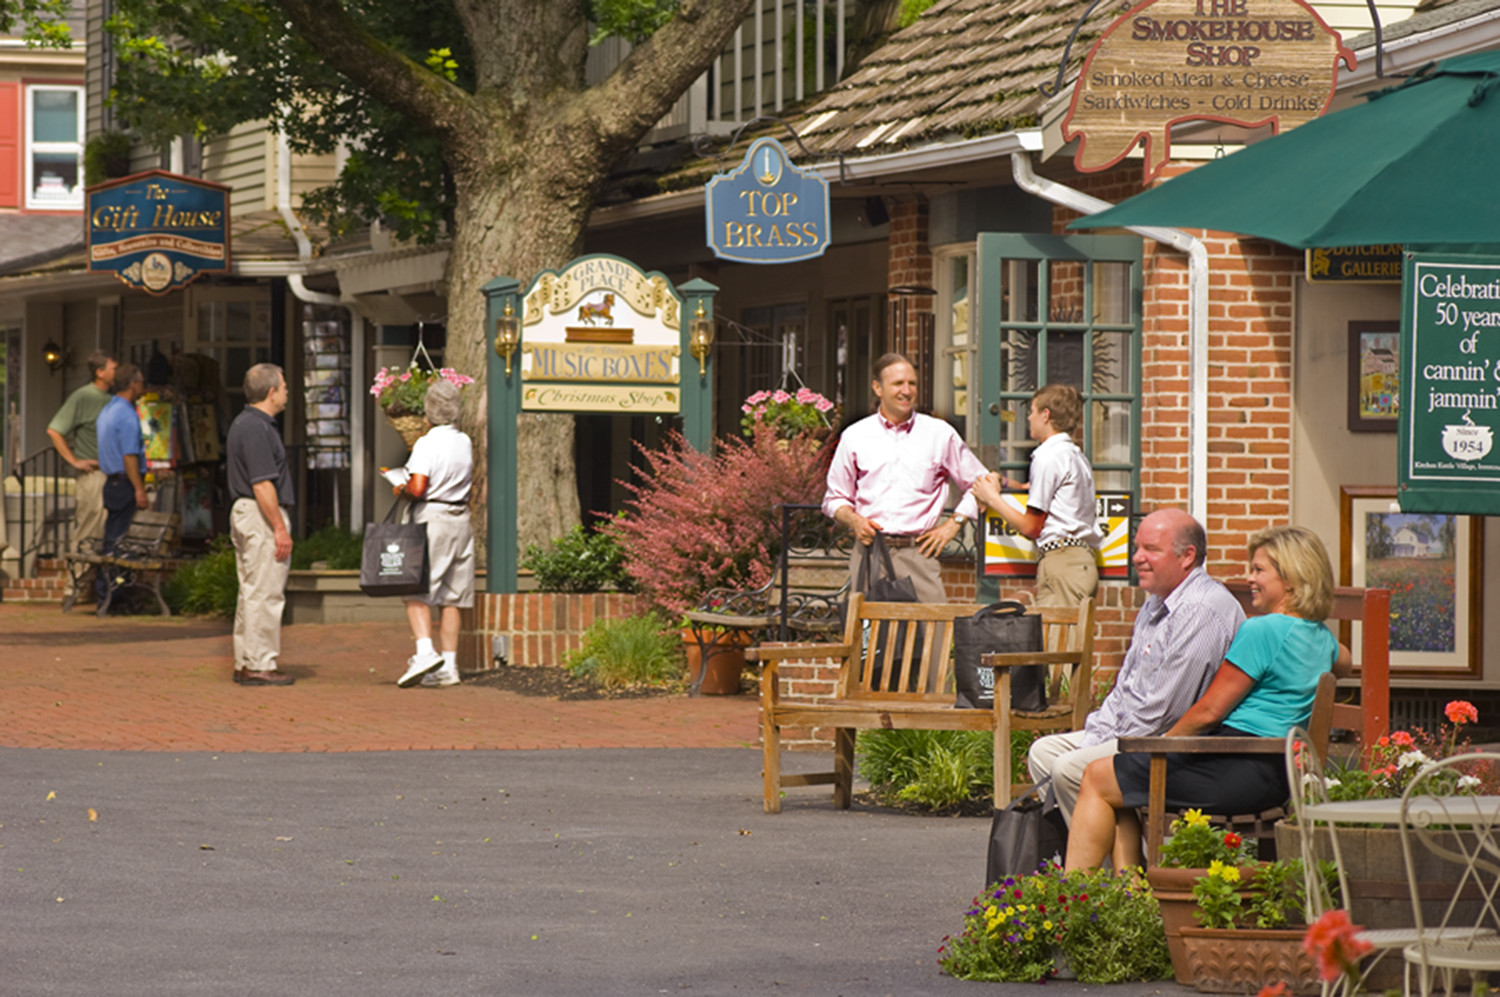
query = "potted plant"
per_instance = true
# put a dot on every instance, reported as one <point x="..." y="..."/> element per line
<point x="1194" y="847"/>
<point x="788" y="415"/>
<point x="402" y="393"/>
<point x="1250" y="929"/>
<point x="1096" y="927"/>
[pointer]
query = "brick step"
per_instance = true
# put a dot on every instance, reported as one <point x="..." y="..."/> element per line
<point x="41" y="596"/>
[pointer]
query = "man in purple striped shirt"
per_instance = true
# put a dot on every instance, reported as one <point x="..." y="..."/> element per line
<point x="890" y="475"/>
<point x="1180" y="638"/>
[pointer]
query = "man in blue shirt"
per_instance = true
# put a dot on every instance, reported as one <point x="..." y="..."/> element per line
<point x="122" y="455"/>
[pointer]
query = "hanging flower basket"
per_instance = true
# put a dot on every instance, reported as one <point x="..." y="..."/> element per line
<point x="402" y="394"/>
<point x="410" y="427"/>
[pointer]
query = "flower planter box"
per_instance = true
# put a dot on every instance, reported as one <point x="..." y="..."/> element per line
<point x="1242" y="960"/>
<point x="1173" y="889"/>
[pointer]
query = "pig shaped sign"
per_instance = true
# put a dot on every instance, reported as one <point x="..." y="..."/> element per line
<point x="1242" y="62"/>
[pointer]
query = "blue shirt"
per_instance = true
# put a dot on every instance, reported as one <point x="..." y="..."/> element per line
<point x="119" y="430"/>
<point x="1285" y="656"/>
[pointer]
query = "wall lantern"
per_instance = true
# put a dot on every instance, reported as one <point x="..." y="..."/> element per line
<point x="53" y="356"/>
<point x="507" y="335"/>
<point x="701" y="340"/>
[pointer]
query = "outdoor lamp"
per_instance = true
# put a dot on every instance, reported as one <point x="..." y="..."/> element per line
<point x="507" y="335"/>
<point x="52" y="355"/>
<point x="701" y="340"/>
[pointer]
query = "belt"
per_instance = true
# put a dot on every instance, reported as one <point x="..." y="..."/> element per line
<point x="1048" y="546"/>
<point x="445" y="501"/>
<point x="896" y="541"/>
<point x="117" y="476"/>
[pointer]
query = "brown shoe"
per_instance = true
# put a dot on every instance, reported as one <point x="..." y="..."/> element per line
<point x="272" y="677"/>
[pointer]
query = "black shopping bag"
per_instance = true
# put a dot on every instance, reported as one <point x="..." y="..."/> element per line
<point x="1025" y="834"/>
<point x="879" y="583"/>
<point x="1004" y="627"/>
<point x="394" y="561"/>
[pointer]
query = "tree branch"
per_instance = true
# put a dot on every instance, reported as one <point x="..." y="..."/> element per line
<point x="381" y="70"/>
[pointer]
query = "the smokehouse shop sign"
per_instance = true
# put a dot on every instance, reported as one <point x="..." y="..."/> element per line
<point x="1242" y="62"/>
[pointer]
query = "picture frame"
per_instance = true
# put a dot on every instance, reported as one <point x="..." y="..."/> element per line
<point x="1374" y="376"/>
<point x="1431" y="562"/>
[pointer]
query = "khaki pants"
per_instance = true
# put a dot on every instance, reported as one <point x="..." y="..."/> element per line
<point x="1062" y="757"/>
<point x="88" y="525"/>
<point x="1066" y="576"/>
<point x="926" y="572"/>
<point x="257" y="615"/>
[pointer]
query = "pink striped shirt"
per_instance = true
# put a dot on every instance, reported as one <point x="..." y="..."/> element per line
<point x="899" y="475"/>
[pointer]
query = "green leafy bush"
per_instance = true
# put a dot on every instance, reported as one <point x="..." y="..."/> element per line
<point x="578" y="561"/>
<point x="209" y="585"/>
<point x="339" y="548"/>
<point x="936" y="768"/>
<point x="629" y="652"/>
<point x="1106" y="926"/>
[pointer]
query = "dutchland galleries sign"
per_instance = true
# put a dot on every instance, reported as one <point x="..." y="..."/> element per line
<point x="158" y="231"/>
<point x="601" y="336"/>
<point x="767" y="210"/>
<point x="1242" y="62"/>
<point x="1450" y="391"/>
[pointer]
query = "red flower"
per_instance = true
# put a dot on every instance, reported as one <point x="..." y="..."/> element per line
<point x="1461" y="711"/>
<point x="1277" y="989"/>
<point x="1335" y="945"/>
<point x="1232" y="840"/>
<point x="1404" y="740"/>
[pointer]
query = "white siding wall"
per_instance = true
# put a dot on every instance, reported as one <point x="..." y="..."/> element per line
<point x="1352" y="17"/>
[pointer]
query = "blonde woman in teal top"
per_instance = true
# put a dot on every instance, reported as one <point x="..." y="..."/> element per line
<point x="1264" y="688"/>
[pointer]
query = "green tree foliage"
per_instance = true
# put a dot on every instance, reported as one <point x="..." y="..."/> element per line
<point x="40" y="22"/>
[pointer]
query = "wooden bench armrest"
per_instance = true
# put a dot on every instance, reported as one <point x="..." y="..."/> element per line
<point x="1015" y="659"/>
<point x="788" y="651"/>
<point x="1203" y="745"/>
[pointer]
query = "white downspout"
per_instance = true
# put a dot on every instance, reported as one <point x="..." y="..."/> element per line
<point x="357" y="469"/>
<point x="1197" y="253"/>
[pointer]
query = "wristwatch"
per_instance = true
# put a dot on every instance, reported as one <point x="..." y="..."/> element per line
<point x="960" y="519"/>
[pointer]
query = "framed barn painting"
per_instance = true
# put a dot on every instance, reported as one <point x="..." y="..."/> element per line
<point x="1430" y="562"/>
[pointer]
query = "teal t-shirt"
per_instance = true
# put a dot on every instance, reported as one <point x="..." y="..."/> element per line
<point x="1285" y="656"/>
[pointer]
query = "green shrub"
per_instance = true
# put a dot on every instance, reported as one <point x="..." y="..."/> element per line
<point x="209" y="585"/>
<point x="339" y="548"/>
<point x="634" y="651"/>
<point x="936" y="768"/>
<point x="577" y="562"/>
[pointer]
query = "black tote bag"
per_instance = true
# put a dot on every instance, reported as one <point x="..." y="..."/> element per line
<point x="394" y="560"/>
<point x="1004" y="627"/>
<point x="879" y="583"/>
<point x="1025" y="834"/>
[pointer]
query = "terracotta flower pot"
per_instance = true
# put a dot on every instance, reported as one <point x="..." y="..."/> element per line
<point x="1173" y="889"/>
<point x="1242" y="960"/>
<point x="726" y="661"/>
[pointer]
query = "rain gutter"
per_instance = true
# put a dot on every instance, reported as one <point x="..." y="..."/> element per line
<point x="1197" y="254"/>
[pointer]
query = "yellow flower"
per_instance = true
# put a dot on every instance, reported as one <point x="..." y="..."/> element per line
<point x="1030" y="935"/>
<point x="1215" y="867"/>
<point x="1195" y="818"/>
<point x="1046" y="925"/>
<point x="1230" y="874"/>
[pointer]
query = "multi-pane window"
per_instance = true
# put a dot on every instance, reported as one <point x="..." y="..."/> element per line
<point x="54" y="147"/>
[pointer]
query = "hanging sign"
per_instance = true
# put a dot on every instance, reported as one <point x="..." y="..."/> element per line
<point x="601" y="335"/>
<point x="1450" y="389"/>
<point x="1009" y="554"/>
<point x="767" y="210"/>
<point x="158" y="231"/>
<point x="1242" y="62"/>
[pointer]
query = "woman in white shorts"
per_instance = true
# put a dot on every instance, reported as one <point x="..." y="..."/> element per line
<point x="441" y="472"/>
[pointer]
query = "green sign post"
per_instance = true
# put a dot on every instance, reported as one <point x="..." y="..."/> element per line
<point x="1450" y="385"/>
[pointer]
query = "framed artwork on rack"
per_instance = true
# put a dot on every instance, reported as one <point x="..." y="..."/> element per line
<point x="1430" y="562"/>
<point x="1374" y="376"/>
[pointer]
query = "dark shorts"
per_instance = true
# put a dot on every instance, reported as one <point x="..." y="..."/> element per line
<point x="1219" y="784"/>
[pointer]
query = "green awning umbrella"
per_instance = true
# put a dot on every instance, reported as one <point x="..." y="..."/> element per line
<point x="1418" y="164"/>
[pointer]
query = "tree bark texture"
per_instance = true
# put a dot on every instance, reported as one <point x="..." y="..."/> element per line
<point x="528" y="151"/>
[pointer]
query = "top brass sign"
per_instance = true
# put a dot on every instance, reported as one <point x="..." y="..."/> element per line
<point x="1242" y="62"/>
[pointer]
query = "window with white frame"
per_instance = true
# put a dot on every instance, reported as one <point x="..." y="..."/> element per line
<point x="54" y="147"/>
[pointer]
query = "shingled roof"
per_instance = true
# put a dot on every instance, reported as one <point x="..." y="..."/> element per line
<point x="964" y="68"/>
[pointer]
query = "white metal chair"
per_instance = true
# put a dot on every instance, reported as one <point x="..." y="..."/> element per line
<point x="1443" y="829"/>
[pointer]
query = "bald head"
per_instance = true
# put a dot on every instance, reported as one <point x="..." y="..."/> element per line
<point x="1169" y="545"/>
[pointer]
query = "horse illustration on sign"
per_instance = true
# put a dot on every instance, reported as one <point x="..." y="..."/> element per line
<point x="600" y="309"/>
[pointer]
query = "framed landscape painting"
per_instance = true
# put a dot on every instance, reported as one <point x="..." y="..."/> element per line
<point x="1430" y="563"/>
<point x="1374" y="376"/>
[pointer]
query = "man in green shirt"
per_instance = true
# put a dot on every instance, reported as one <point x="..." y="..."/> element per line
<point x="73" y="436"/>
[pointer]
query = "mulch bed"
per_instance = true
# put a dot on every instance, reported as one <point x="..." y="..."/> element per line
<point x="554" y="683"/>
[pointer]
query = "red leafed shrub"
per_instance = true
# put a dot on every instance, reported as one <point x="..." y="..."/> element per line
<point x="698" y="521"/>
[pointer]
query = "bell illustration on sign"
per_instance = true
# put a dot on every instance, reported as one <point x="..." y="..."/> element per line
<point x="1243" y="62"/>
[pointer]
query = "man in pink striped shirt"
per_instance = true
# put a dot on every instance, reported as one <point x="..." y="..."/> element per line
<point x="890" y="475"/>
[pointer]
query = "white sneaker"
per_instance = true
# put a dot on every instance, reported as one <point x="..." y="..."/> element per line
<point x="441" y="677"/>
<point x="417" y="666"/>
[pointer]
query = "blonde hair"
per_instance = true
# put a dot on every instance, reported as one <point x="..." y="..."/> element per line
<point x="1302" y="562"/>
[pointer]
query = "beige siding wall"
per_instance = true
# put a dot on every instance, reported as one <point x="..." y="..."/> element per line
<point x="1352" y="17"/>
<point x="243" y="160"/>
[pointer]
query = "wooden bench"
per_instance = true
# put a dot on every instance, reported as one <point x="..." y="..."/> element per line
<point x="139" y="560"/>
<point x="876" y="670"/>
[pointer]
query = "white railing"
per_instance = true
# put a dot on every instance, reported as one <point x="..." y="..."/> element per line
<point x="761" y="70"/>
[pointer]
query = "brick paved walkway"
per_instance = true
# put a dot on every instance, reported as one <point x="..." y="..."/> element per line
<point x="146" y="683"/>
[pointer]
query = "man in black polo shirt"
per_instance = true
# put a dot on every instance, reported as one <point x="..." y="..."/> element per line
<point x="260" y="490"/>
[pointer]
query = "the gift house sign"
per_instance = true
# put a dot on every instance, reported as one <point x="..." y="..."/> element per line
<point x="158" y="231"/>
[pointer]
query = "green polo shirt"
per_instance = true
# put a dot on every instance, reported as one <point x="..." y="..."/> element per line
<point x="76" y="419"/>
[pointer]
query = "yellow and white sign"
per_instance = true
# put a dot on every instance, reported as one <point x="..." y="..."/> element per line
<point x="1008" y="554"/>
<point x="599" y="398"/>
